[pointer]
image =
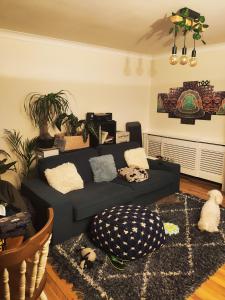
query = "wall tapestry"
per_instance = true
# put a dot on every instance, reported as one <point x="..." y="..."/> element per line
<point x="195" y="100"/>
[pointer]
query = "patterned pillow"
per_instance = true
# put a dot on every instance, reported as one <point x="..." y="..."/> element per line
<point x="133" y="174"/>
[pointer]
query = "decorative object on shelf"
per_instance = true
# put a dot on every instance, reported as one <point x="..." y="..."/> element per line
<point x="195" y="100"/>
<point x="23" y="149"/>
<point x="186" y="20"/>
<point x="46" y="152"/>
<point x="43" y="110"/>
<point x="122" y="136"/>
<point x="4" y="165"/>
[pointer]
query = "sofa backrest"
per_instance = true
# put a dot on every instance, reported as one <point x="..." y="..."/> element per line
<point x="79" y="157"/>
<point x="117" y="150"/>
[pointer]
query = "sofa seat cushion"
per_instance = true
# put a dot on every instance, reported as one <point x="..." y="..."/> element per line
<point x="117" y="150"/>
<point x="95" y="197"/>
<point x="80" y="158"/>
<point x="157" y="179"/>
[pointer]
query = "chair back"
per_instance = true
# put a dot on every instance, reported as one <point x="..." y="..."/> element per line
<point x="22" y="269"/>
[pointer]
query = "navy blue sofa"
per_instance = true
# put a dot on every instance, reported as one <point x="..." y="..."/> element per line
<point x="74" y="210"/>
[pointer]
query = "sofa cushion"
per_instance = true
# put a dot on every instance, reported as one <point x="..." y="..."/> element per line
<point x="117" y="150"/>
<point x="64" y="178"/>
<point x="157" y="179"/>
<point x="103" y="168"/>
<point x="136" y="158"/>
<point x="95" y="197"/>
<point x="78" y="157"/>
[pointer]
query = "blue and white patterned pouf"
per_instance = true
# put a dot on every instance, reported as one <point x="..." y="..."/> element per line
<point x="128" y="232"/>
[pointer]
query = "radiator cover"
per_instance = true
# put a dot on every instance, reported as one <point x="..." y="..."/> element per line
<point x="198" y="159"/>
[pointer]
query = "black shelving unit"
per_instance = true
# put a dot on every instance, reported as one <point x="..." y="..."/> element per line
<point x="109" y="126"/>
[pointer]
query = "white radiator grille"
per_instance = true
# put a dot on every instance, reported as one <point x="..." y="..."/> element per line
<point x="196" y="158"/>
<point x="181" y="152"/>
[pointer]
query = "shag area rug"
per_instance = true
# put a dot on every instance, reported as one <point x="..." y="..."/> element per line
<point x="171" y="273"/>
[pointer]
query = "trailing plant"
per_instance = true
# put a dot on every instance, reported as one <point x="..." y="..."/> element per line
<point x="43" y="109"/>
<point x="185" y="23"/>
<point x="74" y="126"/>
<point x="24" y="149"/>
<point x="4" y="165"/>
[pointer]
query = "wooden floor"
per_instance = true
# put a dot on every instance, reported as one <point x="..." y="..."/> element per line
<point x="212" y="289"/>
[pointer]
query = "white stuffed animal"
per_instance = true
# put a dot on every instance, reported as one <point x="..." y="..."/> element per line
<point x="88" y="257"/>
<point x="210" y="214"/>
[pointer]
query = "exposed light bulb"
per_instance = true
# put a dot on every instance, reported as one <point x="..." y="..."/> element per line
<point x="173" y="60"/>
<point x="193" y="60"/>
<point x="184" y="58"/>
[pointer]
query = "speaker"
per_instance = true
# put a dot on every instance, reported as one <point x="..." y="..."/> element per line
<point x="135" y="132"/>
<point x="90" y="116"/>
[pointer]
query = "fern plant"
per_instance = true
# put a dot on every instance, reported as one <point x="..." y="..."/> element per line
<point x="4" y="165"/>
<point x="24" y="149"/>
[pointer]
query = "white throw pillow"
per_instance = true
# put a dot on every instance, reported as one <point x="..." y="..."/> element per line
<point x="136" y="158"/>
<point x="64" y="178"/>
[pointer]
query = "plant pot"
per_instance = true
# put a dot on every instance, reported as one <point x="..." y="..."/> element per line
<point x="75" y="142"/>
<point x="45" y="143"/>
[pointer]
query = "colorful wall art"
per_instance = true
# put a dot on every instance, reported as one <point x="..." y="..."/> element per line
<point x="195" y="100"/>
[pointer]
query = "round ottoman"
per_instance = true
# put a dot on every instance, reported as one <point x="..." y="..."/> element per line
<point x="128" y="231"/>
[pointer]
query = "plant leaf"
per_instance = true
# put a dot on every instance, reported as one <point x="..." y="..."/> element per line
<point x="171" y="30"/>
<point x="205" y="25"/>
<point x="202" y="19"/>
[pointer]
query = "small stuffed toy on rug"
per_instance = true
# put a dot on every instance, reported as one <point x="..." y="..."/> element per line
<point x="88" y="257"/>
<point x="133" y="174"/>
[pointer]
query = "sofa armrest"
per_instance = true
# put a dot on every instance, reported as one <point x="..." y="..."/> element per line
<point x="40" y="193"/>
<point x="157" y="164"/>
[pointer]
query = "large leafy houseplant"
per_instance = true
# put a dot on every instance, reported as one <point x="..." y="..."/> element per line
<point x="74" y="126"/>
<point x="43" y="109"/>
<point x="4" y="164"/>
<point x="23" y="149"/>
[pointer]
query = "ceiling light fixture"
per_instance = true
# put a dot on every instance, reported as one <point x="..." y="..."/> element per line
<point x="186" y="20"/>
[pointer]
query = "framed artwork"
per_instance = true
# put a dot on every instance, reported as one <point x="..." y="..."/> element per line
<point x="195" y="100"/>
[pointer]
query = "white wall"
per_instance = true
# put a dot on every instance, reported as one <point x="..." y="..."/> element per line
<point x="211" y="66"/>
<point x="101" y="79"/>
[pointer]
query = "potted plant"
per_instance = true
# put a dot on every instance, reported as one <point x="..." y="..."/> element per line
<point x="43" y="110"/>
<point x="23" y="149"/>
<point x="187" y="20"/>
<point x="76" y="131"/>
<point x="4" y="165"/>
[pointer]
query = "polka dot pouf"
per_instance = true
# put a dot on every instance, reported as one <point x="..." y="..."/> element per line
<point x="128" y="231"/>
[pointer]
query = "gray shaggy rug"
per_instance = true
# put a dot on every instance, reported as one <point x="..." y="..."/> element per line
<point x="171" y="273"/>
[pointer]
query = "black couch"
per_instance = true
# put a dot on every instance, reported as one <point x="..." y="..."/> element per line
<point x="74" y="210"/>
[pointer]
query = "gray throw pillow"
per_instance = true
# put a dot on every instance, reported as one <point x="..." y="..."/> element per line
<point x="103" y="168"/>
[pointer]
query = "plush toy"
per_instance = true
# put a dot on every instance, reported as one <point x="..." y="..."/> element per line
<point x="88" y="257"/>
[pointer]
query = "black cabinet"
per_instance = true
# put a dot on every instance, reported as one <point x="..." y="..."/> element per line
<point x="106" y="131"/>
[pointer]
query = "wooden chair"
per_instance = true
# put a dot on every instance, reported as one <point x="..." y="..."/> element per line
<point x="22" y="269"/>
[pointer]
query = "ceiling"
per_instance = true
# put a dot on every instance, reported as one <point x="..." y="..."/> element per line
<point x="134" y="25"/>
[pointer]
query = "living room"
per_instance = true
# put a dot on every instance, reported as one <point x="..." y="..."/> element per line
<point x="111" y="57"/>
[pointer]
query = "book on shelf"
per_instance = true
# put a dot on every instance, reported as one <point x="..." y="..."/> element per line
<point x="104" y="135"/>
<point x="46" y="152"/>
